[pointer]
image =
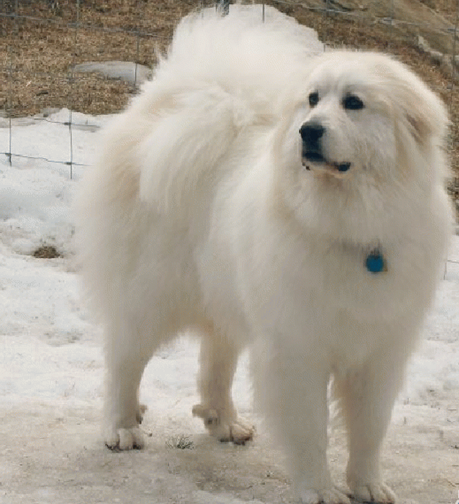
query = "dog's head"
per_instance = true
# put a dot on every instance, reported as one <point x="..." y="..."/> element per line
<point x="364" y="111"/>
<point x="363" y="138"/>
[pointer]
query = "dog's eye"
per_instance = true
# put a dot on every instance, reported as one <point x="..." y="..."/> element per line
<point x="352" y="102"/>
<point x="313" y="99"/>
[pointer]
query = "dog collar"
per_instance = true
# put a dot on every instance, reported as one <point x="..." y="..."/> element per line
<point x="375" y="262"/>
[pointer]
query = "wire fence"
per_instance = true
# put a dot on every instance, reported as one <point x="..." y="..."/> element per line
<point x="130" y="29"/>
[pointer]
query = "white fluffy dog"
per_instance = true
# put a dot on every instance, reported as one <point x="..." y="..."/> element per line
<point x="258" y="193"/>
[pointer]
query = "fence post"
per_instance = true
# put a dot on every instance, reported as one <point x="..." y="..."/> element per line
<point x="223" y="5"/>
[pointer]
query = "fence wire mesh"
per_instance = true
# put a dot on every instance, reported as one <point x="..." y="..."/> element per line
<point x="43" y="41"/>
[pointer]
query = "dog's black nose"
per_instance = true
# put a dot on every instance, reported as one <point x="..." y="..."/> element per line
<point x="311" y="133"/>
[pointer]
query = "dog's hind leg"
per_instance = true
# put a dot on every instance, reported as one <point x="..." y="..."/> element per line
<point x="218" y="361"/>
<point x="126" y="355"/>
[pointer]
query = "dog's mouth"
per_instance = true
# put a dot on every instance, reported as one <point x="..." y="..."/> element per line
<point x="311" y="159"/>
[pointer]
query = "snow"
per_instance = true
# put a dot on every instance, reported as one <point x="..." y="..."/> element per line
<point x="51" y="372"/>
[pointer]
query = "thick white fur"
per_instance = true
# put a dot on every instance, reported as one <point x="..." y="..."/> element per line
<point x="199" y="215"/>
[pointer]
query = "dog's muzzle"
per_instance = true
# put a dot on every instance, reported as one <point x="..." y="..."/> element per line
<point x="311" y="133"/>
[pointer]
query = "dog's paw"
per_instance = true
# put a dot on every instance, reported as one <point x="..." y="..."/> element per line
<point x="376" y="492"/>
<point x="124" y="439"/>
<point x="325" y="496"/>
<point x="236" y="431"/>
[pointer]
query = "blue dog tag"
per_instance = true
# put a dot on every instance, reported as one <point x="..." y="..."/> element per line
<point x="375" y="262"/>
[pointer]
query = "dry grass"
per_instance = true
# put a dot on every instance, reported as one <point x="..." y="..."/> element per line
<point x="180" y="442"/>
<point x="38" y="50"/>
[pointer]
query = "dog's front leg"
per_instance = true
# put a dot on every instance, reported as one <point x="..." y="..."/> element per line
<point x="367" y="396"/>
<point x="292" y="390"/>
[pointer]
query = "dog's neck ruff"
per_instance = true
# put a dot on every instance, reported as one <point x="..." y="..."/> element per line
<point x="375" y="261"/>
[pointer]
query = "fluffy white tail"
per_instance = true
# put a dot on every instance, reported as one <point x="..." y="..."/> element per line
<point x="222" y="75"/>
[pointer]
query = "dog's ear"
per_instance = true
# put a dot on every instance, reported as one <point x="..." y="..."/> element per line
<point x="411" y="101"/>
<point x="424" y="113"/>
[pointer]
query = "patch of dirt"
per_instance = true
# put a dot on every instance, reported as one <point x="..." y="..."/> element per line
<point x="46" y="252"/>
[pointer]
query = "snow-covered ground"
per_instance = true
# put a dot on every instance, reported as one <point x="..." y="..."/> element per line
<point x="51" y="374"/>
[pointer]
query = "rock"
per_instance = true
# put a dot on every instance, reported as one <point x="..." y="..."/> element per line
<point x="132" y="73"/>
<point x="409" y="17"/>
<point x="446" y="62"/>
